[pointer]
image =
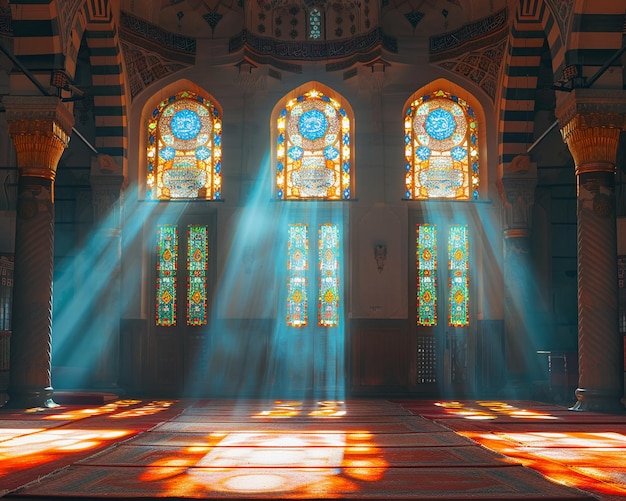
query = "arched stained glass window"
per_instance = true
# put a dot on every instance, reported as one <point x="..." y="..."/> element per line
<point x="184" y="150"/>
<point x="313" y="149"/>
<point x="441" y="148"/>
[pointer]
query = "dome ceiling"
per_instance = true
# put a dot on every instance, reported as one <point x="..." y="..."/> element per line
<point x="309" y="20"/>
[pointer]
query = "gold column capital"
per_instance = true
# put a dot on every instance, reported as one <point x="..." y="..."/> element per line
<point x="590" y="123"/>
<point x="40" y="127"/>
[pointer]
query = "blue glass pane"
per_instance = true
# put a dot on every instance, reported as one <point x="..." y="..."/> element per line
<point x="458" y="153"/>
<point x="217" y="139"/>
<point x="330" y="153"/>
<point x="186" y="124"/>
<point x="295" y="152"/>
<point x="346" y="166"/>
<point x="346" y="139"/>
<point x="203" y="153"/>
<point x="218" y="167"/>
<point x="423" y="153"/>
<point x="281" y="139"/>
<point x="440" y="124"/>
<point x="346" y="193"/>
<point x="167" y="153"/>
<point x="280" y="166"/>
<point x="313" y="124"/>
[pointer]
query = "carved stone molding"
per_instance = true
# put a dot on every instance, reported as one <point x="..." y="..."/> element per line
<point x="599" y="108"/>
<point x="518" y="195"/>
<point x="40" y="127"/>
<point x="106" y="184"/>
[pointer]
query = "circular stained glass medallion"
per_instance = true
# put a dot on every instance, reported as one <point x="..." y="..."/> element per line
<point x="313" y="124"/>
<point x="440" y="124"/>
<point x="185" y="124"/>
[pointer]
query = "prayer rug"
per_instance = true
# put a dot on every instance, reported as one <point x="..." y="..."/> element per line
<point x="296" y="451"/>
<point x="515" y="482"/>
<point x="48" y="439"/>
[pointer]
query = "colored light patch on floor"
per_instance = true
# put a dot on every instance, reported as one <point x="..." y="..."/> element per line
<point x="28" y="450"/>
<point x="589" y="461"/>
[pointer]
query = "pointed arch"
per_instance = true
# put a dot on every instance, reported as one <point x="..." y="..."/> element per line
<point x="183" y="144"/>
<point x="534" y="25"/>
<point x="443" y="144"/>
<point x="313" y="145"/>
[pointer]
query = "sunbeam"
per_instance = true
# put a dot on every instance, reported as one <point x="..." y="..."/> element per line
<point x="83" y="329"/>
<point x="250" y="350"/>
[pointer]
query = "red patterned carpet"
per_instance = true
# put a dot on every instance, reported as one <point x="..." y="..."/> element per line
<point x="360" y="449"/>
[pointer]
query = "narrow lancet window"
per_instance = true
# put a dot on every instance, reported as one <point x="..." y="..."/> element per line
<point x="197" y="265"/>
<point x="426" y="263"/>
<point x="167" y="259"/>
<point x="328" y="302"/>
<point x="297" y="269"/>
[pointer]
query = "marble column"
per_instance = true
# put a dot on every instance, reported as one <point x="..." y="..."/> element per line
<point x="40" y="127"/>
<point x="106" y="183"/>
<point x="590" y="125"/>
<point x="518" y="183"/>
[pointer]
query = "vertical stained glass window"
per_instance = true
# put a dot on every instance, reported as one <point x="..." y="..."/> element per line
<point x="197" y="265"/>
<point x="458" y="264"/>
<point x="315" y="24"/>
<point x="426" y="262"/>
<point x="297" y="266"/>
<point x="184" y="152"/>
<point x="167" y="258"/>
<point x="441" y="148"/>
<point x="328" y="301"/>
<point x="313" y="149"/>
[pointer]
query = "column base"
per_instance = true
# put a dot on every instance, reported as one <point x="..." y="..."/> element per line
<point x="598" y="401"/>
<point x="26" y="398"/>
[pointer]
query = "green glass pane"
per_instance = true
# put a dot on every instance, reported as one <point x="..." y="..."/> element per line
<point x="297" y="266"/>
<point x="328" y="301"/>
<point x="167" y="257"/>
<point x="458" y="263"/>
<point x="197" y="265"/>
<point x="426" y="263"/>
